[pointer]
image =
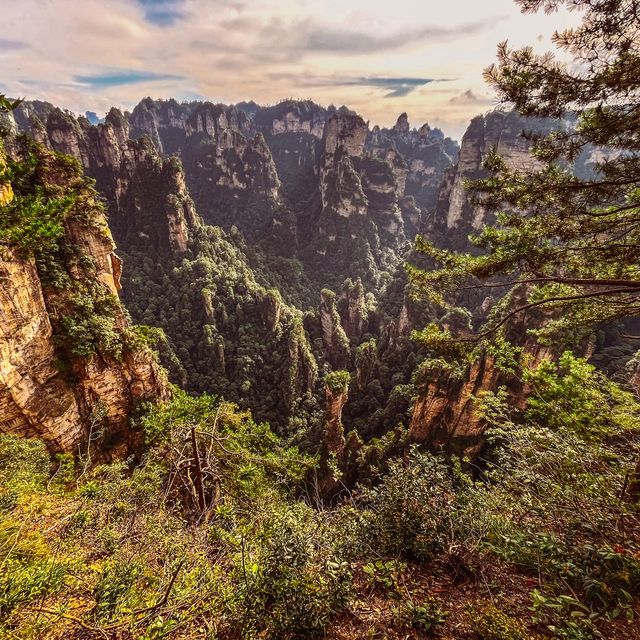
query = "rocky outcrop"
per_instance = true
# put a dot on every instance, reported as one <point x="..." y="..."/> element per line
<point x="164" y="122"/>
<point x="419" y="159"/>
<point x="300" y="180"/>
<point x="352" y="308"/>
<point x="151" y="207"/>
<point x="148" y="200"/>
<point x="292" y="116"/>
<point x="334" y="339"/>
<point x="497" y="130"/>
<point x="227" y="127"/>
<point x="443" y="416"/>
<point x="51" y="385"/>
<point x="336" y="396"/>
<point x="234" y="182"/>
<point x="270" y="305"/>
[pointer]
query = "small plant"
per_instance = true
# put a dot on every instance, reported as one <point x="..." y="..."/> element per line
<point x="491" y="623"/>
<point x="90" y="489"/>
<point x="115" y="583"/>
<point x="383" y="574"/>
<point x="409" y="512"/>
<point x="564" y="616"/>
<point x="425" y="616"/>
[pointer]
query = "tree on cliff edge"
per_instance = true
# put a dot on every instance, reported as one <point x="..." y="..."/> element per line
<point x="574" y="241"/>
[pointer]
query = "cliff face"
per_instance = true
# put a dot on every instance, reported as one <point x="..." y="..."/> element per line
<point x="226" y="334"/>
<point x="300" y="180"/>
<point x="419" y="159"/>
<point x="69" y="362"/>
<point x="456" y="216"/>
<point x="147" y="196"/>
<point x="151" y="204"/>
<point x="164" y="122"/>
<point x="304" y="181"/>
<point x="359" y="229"/>
<point x="444" y="414"/>
<point x="233" y="180"/>
<point x="292" y="116"/>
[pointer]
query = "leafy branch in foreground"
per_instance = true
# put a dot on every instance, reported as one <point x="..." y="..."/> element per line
<point x="573" y="240"/>
<point x="6" y="104"/>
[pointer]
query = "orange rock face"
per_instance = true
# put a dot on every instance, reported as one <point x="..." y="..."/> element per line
<point x="44" y="391"/>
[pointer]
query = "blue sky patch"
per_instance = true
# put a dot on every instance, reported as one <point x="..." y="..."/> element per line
<point x="396" y="87"/>
<point x="122" y="77"/>
<point x="162" y="13"/>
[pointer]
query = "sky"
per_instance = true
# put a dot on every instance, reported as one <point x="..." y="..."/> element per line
<point x="378" y="57"/>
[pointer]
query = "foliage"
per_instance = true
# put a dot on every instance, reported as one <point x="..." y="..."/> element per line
<point x="130" y="546"/>
<point x="114" y="549"/>
<point x="490" y="623"/>
<point x="407" y="513"/>
<point x="337" y="381"/>
<point x="7" y="104"/>
<point x="223" y="336"/>
<point x="33" y="218"/>
<point x="425" y="617"/>
<point x="300" y="583"/>
<point x="572" y="238"/>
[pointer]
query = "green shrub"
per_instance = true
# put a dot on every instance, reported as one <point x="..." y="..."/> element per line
<point x="426" y="616"/>
<point x="22" y="582"/>
<point x="408" y="513"/>
<point x="490" y="623"/>
<point x="115" y="583"/>
<point x="299" y="584"/>
<point x="24" y="465"/>
<point x="337" y="381"/>
<point x="384" y="574"/>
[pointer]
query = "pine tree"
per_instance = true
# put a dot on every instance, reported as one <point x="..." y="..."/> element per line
<point x="574" y="241"/>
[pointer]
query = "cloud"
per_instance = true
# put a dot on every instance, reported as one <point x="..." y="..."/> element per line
<point x="162" y="13"/>
<point x="12" y="45"/>
<point x="323" y="39"/>
<point x="396" y="87"/>
<point x="368" y="54"/>
<point x="122" y="77"/>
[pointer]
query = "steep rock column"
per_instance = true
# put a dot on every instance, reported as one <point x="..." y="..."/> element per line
<point x="336" y="395"/>
<point x="353" y="309"/>
<point x="66" y="348"/>
<point x="334" y="339"/>
<point x="34" y="400"/>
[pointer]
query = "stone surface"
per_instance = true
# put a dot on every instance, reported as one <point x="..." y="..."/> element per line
<point x="37" y="396"/>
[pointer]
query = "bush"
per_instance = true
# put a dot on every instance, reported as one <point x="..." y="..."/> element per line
<point x="24" y="466"/>
<point x="490" y="623"/>
<point x="409" y="512"/>
<point x="300" y="583"/>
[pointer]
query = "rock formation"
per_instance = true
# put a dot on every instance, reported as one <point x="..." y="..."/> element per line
<point x="336" y="396"/>
<point x="444" y="416"/>
<point x="334" y="338"/>
<point x="52" y="385"/>
<point x="456" y="216"/>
